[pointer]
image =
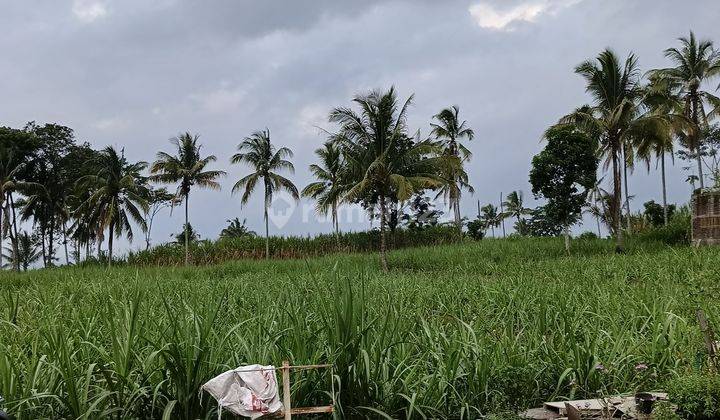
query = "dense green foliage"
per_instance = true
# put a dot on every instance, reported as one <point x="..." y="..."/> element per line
<point x="563" y="172"/>
<point x="229" y="249"/>
<point x="697" y="396"/>
<point x="459" y="330"/>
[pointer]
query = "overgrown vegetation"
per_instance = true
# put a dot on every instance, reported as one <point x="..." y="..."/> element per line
<point x="455" y="331"/>
<point x="283" y="247"/>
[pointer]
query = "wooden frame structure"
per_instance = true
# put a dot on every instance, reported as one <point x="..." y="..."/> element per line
<point x="288" y="411"/>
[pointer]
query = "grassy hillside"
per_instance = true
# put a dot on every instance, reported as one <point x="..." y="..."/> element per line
<point x="455" y="330"/>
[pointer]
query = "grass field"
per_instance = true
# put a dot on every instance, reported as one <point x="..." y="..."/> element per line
<point x="453" y="331"/>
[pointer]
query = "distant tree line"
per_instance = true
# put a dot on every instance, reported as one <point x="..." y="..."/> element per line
<point x="78" y="199"/>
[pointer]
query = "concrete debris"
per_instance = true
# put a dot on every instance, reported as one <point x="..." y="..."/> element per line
<point x="622" y="406"/>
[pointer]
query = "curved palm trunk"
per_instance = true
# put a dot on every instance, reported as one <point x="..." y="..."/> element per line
<point x="187" y="231"/>
<point x="110" y="243"/>
<point x="383" y="245"/>
<point x="664" y="189"/>
<point x="617" y="200"/>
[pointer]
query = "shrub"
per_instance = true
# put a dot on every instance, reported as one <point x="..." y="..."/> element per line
<point x="697" y="396"/>
<point x="476" y="229"/>
<point x="588" y="236"/>
<point x="677" y="231"/>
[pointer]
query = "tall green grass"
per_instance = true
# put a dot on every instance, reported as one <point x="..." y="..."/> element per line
<point x="452" y="331"/>
<point x="286" y="247"/>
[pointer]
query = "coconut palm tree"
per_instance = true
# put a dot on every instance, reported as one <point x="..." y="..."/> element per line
<point x="117" y="197"/>
<point x="514" y="206"/>
<point x="257" y="152"/>
<point x="187" y="168"/>
<point x="384" y="163"/>
<point x="329" y="187"/>
<point x="661" y="99"/>
<point x="9" y="183"/>
<point x="615" y="117"/>
<point x="696" y="62"/>
<point x="490" y="217"/>
<point x="25" y="253"/>
<point x="236" y="229"/>
<point x="450" y="131"/>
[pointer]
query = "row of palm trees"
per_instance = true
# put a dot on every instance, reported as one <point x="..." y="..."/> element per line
<point x="631" y="119"/>
<point x="371" y="157"/>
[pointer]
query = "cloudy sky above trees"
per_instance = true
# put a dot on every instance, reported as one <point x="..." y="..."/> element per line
<point x="134" y="73"/>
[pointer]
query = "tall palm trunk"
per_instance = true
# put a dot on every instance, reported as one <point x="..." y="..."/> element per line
<point x="627" y="192"/>
<point x="336" y="224"/>
<point x="664" y="189"/>
<point x="16" y="247"/>
<point x="458" y="219"/>
<point x="617" y="198"/>
<point x="187" y="231"/>
<point x="597" y="219"/>
<point x="696" y="135"/>
<point x="51" y="237"/>
<point x="42" y="241"/>
<point x="502" y="210"/>
<point x="110" y="243"/>
<point x="267" y="230"/>
<point x="67" y="256"/>
<point x="383" y="245"/>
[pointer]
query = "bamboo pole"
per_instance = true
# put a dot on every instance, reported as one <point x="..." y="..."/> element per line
<point x="286" y="388"/>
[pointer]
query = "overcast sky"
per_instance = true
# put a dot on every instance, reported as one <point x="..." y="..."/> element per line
<point x="135" y="73"/>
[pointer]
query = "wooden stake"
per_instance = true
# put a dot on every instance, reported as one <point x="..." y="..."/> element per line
<point x="708" y="336"/>
<point x="286" y="388"/>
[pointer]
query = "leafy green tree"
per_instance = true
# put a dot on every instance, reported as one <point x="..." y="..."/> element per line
<point x="539" y="224"/>
<point x="236" y="229"/>
<point x="257" y="152"/>
<point x="476" y="229"/>
<point x="562" y="173"/>
<point x="25" y="253"/>
<point x="9" y="184"/>
<point x="696" y="63"/>
<point x="514" y="206"/>
<point x="656" y="214"/>
<point x="615" y="118"/>
<point x="48" y="206"/>
<point x="187" y="168"/>
<point x="329" y="187"/>
<point x="450" y="131"/>
<point x="384" y="163"/>
<point x="117" y="198"/>
<point x="16" y="147"/>
<point x="422" y="213"/>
